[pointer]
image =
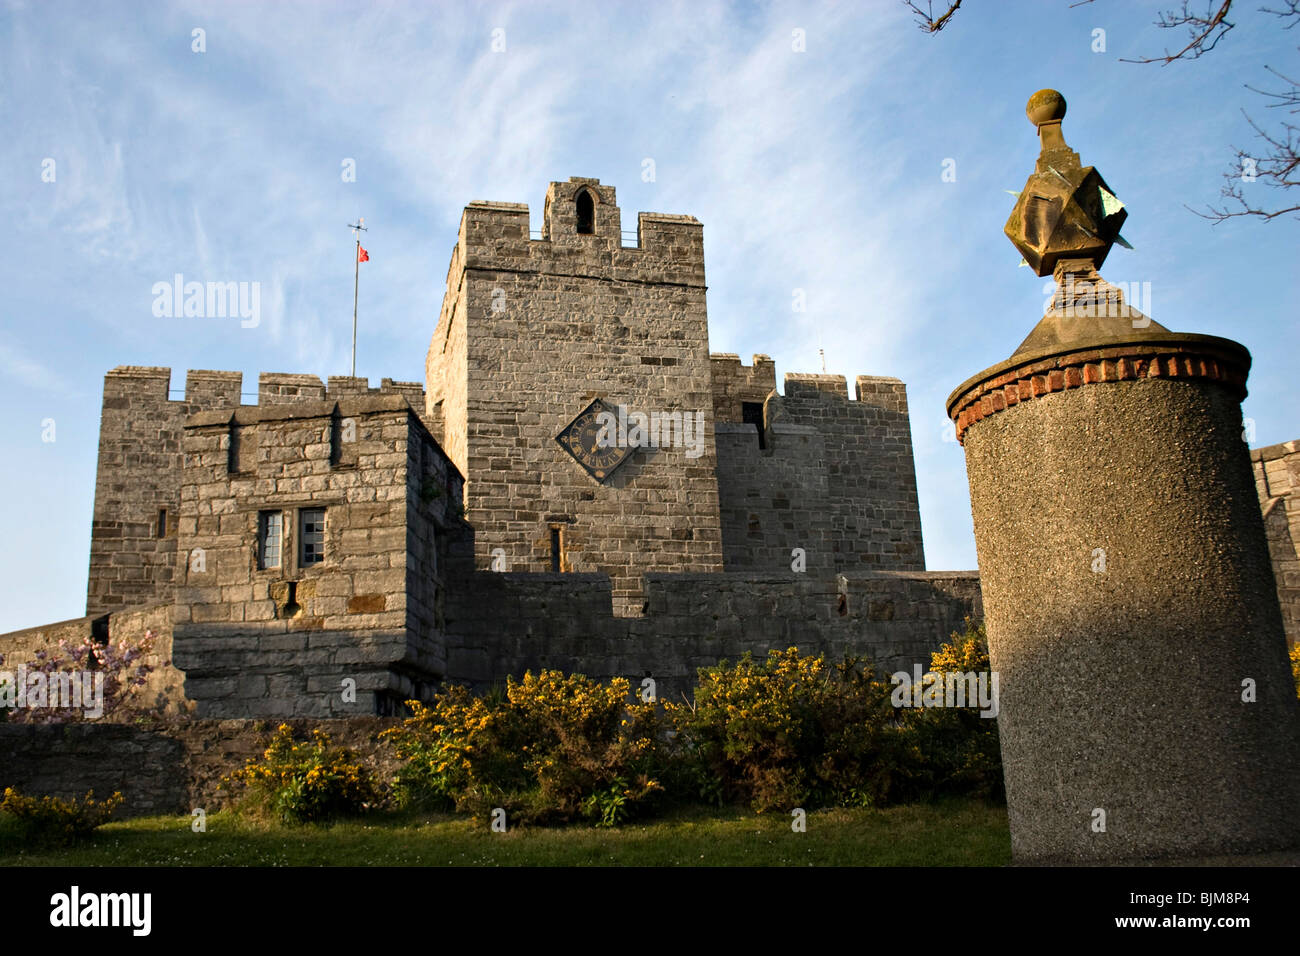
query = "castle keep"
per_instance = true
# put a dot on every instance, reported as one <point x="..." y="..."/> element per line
<point x="481" y="523"/>
<point x="337" y="548"/>
<point x="533" y="331"/>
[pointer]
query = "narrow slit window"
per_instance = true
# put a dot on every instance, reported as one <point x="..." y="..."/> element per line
<point x="586" y="213"/>
<point x="752" y="414"/>
<point x="557" y="549"/>
<point x="311" y="535"/>
<point x="162" y="522"/>
<point x="270" y="527"/>
<point x="233" y="449"/>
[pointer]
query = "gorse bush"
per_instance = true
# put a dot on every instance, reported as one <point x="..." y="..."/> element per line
<point x="49" y="820"/>
<point x="788" y="731"/>
<point x="305" y="782"/>
<point x="1295" y="666"/>
<point x="551" y="748"/>
<point x="451" y="749"/>
<point x="951" y="750"/>
<point x="794" y="730"/>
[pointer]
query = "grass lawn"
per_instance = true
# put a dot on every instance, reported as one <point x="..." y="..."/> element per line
<point x="949" y="833"/>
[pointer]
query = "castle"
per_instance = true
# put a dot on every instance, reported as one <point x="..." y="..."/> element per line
<point x="578" y="483"/>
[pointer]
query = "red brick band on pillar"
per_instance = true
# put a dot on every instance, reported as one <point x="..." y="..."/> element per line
<point x="1020" y="380"/>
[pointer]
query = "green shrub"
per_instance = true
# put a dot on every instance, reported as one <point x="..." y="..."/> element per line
<point x="552" y="748"/>
<point x="49" y="820"/>
<point x="783" y="732"/>
<point x="789" y="731"/>
<point x="306" y="782"/>
<point x="952" y="750"/>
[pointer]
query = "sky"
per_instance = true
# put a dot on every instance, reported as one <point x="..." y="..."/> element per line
<point x="811" y="140"/>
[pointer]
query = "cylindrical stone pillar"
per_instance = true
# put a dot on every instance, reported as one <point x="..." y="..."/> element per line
<point x="1146" y="702"/>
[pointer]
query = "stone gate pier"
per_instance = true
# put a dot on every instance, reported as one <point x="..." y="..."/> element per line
<point x="1147" y="705"/>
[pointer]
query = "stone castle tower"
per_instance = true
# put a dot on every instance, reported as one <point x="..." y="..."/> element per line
<point x="533" y="331"/>
<point x="530" y="334"/>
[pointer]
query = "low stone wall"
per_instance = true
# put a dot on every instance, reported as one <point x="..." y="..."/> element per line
<point x="501" y="624"/>
<point x="163" y="688"/>
<point x="504" y="624"/>
<point x="172" y="769"/>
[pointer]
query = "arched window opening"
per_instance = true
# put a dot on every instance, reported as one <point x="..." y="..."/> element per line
<point x="586" y="213"/>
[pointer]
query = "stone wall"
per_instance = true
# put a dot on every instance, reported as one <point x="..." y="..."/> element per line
<point x="169" y="770"/>
<point x="132" y="546"/>
<point x="836" y="479"/>
<point x="163" y="688"/>
<point x="132" y="558"/>
<point x="260" y="640"/>
<point x="735" y="384"/>
<point x="531" y="332"/>
<point x="499" y="624"/>
<point x="1277" y="481"/>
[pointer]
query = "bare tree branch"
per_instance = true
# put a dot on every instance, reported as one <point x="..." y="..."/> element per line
<point x="1206" y="32"/>
<point x="1279" y="169"/>
<point x="1289" y="97"/>
<point x="928" y="22"/>
<point x="1277" y="166"/>
<point x="1292" y="10"/>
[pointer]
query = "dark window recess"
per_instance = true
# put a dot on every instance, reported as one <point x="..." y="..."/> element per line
<point x="336" y="437"/>
<point x="233" y="462"/>
<point x="162" y="522"/>
<point x="556" y="545"/>
<point x="751" y="413"/>
<point x="291" y="605"/>
<point x="586" y="213"/>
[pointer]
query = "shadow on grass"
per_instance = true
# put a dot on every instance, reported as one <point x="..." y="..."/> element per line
<point x="948" y="833"/>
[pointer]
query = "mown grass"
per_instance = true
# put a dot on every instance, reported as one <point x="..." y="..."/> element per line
<point x="950" y="833"/>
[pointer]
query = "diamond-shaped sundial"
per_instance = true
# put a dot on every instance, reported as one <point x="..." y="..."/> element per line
<point x="592" y="443"/>
<point x="1066" y="211"/>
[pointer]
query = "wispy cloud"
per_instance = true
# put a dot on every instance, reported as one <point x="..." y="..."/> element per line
<point x="814" y="169"/>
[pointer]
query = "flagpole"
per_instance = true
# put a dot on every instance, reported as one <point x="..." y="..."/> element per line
<point x="357" y="229"/>
<point x="356" y="282"/>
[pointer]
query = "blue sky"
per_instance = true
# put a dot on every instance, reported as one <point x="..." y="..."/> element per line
<point x="818" y="170"/>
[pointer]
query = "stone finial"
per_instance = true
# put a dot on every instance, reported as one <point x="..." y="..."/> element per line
<point x="1066" y="213"/>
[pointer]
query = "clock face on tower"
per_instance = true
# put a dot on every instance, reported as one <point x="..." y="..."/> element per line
<point x="580" y="439"/>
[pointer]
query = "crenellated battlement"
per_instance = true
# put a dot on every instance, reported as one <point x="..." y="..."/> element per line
<point x="818" y="471"/>
<point x="810" y="385"/>
<point x="207" y="389"/>
<point x="736" y="385"/>
<point x="880" y="391"/>
<point x="582" y="233"/>
<point x="138" y="480"/>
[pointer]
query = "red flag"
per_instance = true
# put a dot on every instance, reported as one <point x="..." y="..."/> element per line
<point x="362" y="255"/>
